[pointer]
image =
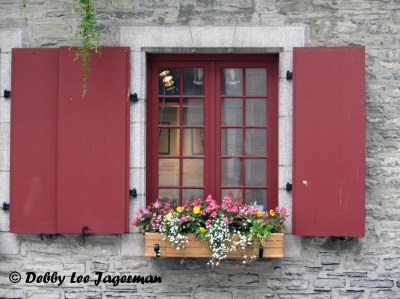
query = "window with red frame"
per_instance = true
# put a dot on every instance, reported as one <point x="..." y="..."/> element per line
<point x="212" y="128"/>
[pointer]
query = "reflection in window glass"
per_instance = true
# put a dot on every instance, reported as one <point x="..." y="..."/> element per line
<point x="193" y="142"/>
<point x="256" y="81"/>
<point x="193" y="81"/>
<point x="231" y="82"/>
<point x="168" y="141"/>
<point x="168" y="172"/>
<point x="231" y="112"/>
<point x="168" y="112"/>
<point x="256" y="196"/>
<point x="256" y="112"/>
<point x="193" y="172"/>
<point x="192" y="194"/>
<point x="193" y="112"/>
<point x="231" y="142"/>
<point x="169" y="81"/>
<point x="255" y="172"/>
<point x="235" y="194"/>
<point x="231" y="172"/>
<point x="256" y="142"/>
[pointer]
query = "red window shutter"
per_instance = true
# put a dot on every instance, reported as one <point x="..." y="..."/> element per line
<point x="93" y="143"/>
<point x="329" y="141"/>
<point x="33" y="140"/>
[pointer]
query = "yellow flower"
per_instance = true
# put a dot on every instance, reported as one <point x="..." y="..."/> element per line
<point x="202" y="230"/>
<point x="166" y="217"/>
<point x="259" y="214"/>
<point x="272" y="213"/>
<point x="196" y="210"/>
<point x="179" y="209"/>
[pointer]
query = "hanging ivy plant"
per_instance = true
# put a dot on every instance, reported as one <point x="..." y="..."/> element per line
<point x="89" y="36"/>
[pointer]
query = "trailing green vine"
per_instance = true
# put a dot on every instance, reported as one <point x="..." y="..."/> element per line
<point x="86" y="32"/>
<point x="89" y="36"/>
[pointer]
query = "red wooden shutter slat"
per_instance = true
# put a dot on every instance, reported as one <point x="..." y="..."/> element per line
<point x="93" y="143"/>
<point x="33" y="140"/>
<point x="329" y="141"/>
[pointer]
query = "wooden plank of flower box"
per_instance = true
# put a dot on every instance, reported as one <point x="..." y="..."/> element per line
<point x="273" y="247"/>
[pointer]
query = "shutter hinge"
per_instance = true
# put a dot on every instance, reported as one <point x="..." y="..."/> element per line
<point x="157" y="250"/>
<point x="133" y="97"/>
<point x="289" y="187"/>
<point x="7" y="93"/>
<point x="6" y="206"/>
<point x="84" y="234"/>
<point x="289" y="75"/>
<point x="133" y="192"/>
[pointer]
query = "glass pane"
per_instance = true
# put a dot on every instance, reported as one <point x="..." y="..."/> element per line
<point x="256" y="112"/>
<point x="169" y="81"/>
<point x="256" y="82"/>
<point x="168" y="172"/>
<point x="235" y="194"/>
<point x="231" y="172"/>
<point x="192" y="194"/>
<point x="193" y="81"/>
<point x="257" y="197"/>
<point x="168" y="141"/>
<point x="168" y="112"/>
<point x="256" y="172"/>
<point x="231" y="112"/>
<point x="193" y="142"/>
<point x="169" y="195"/>
<point x="193" y="172"/>
<point x="256" y="142"/>
<point x="231" y="142"/>
<point x="193" y="112"/>
<point x="231" y="82"/>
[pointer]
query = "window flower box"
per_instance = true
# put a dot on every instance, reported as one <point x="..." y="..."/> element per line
<point x="273" y="247"/>
<point x="203" y="228"/>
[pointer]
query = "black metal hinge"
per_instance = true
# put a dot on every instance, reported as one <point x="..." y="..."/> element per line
<point x="6" y="206"/>
<point x="289" y="187"/>
<point x="7" y="93"/>
<point x="133" y="192"/>
<point x="289" y="75"/>
<point x="133" y="97"/>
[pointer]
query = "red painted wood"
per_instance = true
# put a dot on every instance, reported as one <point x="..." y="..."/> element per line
<point x="93" y="143"/>
<point x="33" y="141"/>
<point x="329" y="141"/>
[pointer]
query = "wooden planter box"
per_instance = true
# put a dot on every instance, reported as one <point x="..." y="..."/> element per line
<point x="273" y="247"/>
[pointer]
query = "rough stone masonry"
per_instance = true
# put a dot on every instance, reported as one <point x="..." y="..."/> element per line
<point x="361" y="268"/>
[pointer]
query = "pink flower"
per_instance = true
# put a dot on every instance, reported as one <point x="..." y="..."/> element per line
<point x="146" y="212"/>
<point x="213" y="214"/>
<point x="208" y="222"/>
<point x="195" y="202"/>
<point x="209" y="199"/>
<point x="227" y="199"/>
<point x="167" y="206"/>
<point x="234" y="209"/>
<point x="157" y="205"/>
<point x="134" y="222"/>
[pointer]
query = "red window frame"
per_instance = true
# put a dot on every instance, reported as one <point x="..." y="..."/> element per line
<point x="212" y="65"/>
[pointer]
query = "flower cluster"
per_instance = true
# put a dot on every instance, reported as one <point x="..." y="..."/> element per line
<point x="210" y="221"/>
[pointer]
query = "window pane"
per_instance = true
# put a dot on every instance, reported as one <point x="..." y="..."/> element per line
<point x="257" y="196"/>
<point x="256" y="172"/>
<point x="169" y="195"/>
<point x="256" y="142"/>
<point x="231" y="112"/>
<point x="256" y="112"/>
<point x="231" y="82"/>
<point x="193" y="81"/>
<point x="235" y="194"/>
<point x="231" y="172"/>
<point x="168" y="141"/>
<point x="231" y="142"/>
<point x="169" y="81"/>
<point x="192" y="194"/>
<point x="168" y="172"/>
<point x="256" y="82"/>
<point x="193" y="172"/>
<point x="168" y="112"/>
<point x="193" y="112"/>
<point x="193" y="142"/>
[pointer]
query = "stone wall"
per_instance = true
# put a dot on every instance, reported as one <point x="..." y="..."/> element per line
<point x="361" y="268"/>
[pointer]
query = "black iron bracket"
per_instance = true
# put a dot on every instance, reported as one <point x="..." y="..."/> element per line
<point x="289" y="75"/>
<point x="133" y="97"/>
<point x="133" y="192"/>
<point x="84" y="234"/>
<point x="260" y="251"/>
<point x="7" y="93"/>
<point x="289" y="187"/>
<point x="49" y="236"/>
<point x="341" y="238"/>
<point x="6" y="206"/>
<point x="157" y="250"/>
